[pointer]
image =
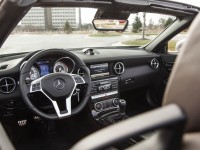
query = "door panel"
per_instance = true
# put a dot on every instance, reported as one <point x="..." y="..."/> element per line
<point x="168" y="61"/>
<point x="155" y="94"/>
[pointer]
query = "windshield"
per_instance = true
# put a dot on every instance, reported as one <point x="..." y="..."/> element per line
<point x="45" y="28"/>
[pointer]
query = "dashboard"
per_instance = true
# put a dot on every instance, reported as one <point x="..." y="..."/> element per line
<point x="133" y="67"/>
<point x="112" y="72"/>
<point x="65" y="65"/>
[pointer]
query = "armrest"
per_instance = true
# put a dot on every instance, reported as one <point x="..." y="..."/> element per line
<point x="168" y="116"/>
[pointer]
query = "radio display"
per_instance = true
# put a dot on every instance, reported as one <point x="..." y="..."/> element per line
<point x="98" y="70"/>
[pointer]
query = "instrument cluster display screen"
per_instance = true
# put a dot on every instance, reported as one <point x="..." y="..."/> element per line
<point x="99" y="70"/>
<point x="44" y="67"/>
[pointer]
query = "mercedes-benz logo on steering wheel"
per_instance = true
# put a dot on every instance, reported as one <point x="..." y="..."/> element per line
<point x="59" y="84"/>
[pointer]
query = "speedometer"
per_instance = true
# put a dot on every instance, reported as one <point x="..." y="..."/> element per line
<point x="34" y="73"/>
<point x="64" y="65"/>
<point x="60" y="67"/>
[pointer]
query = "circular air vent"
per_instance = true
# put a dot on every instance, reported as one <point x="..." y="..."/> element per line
<point x="7" y="85"/>
<point x="154" y="63"/>
<point x="119" y="68"/>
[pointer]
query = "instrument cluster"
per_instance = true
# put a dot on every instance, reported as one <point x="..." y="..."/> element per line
<point x="44" y="67"/>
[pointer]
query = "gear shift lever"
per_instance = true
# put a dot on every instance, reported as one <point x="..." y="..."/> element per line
<point x="110" y="119"/>
<point x="122" y="107"/>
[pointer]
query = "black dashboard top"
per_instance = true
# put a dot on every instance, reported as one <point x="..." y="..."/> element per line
<point x="134" y="63"/>
<point x="104" y="55"/>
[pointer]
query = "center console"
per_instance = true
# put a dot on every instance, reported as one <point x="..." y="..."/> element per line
<point x="104" y="95"/>
<point x="105" y="103"/>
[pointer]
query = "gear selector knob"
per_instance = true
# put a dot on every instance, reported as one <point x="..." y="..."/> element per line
<point x="122" y="106"/>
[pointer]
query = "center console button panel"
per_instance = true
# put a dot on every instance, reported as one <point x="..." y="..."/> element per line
<point x="105" y="105"/>
<point x="104" y="96"/>
<point x="101" y="86"/>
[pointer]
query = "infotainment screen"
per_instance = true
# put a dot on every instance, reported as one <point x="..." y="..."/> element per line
<point x="44" y="67"/>
<point x="98" y="70"/>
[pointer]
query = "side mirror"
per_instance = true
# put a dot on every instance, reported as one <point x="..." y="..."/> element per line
<point x="179" y="45"/>
<point x="110" y="24"/>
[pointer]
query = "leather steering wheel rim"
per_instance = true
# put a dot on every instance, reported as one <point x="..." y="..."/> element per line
<point x="25" y="88"/>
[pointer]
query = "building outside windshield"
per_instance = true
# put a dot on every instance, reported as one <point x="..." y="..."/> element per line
<point x="45" y="28"/>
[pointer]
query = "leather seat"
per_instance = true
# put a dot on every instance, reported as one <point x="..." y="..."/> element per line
<point x="183" y="89"/>
<point x="191" y="141"/>
<point x="184" y="85"/>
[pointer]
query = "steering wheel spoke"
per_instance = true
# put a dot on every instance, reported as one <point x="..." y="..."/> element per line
<point x="78" y="79"/>
<point x="62" y="113"/>
<point x="35" y="86"/>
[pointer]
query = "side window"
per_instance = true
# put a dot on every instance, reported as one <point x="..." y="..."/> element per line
<point x="175" y="44"/>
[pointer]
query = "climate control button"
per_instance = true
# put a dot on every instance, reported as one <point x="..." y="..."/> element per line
<point x="116" y="102"/>
<point x="98" y="106"/>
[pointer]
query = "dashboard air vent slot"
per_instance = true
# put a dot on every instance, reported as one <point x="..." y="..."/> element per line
<point x="154" y="63"/>
<point x="3" y="67"/>
<point x="119" y="68"/>
<point x="7" y="85"/>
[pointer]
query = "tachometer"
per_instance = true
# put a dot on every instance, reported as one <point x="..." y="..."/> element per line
<point x="64" y="65"/>
<point x="60" y="67"/>
<point x="34" y="73"/>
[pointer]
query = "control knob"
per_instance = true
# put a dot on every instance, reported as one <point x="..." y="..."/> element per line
<point x="116" y="102"/>
<point x="98" y="106"/>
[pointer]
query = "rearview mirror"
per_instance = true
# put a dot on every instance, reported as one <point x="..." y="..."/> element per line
<point x="110" y="24"/>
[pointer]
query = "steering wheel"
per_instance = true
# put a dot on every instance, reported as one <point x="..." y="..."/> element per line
<point x="55" y="86"/>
